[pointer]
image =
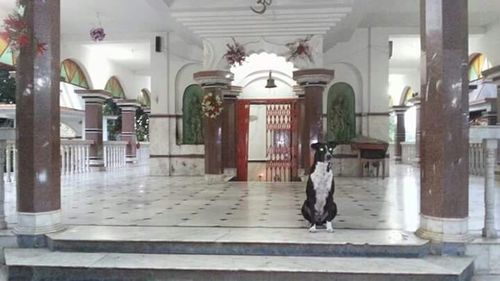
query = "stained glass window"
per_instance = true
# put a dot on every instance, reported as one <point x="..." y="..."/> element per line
<point x="6" y="55"/>
<point x="477" y="64"/>
<point x="144" y="98"/>
<point x="192" y="119"/>
<point x="115" y="88"/>
<point x="72" y="73"/>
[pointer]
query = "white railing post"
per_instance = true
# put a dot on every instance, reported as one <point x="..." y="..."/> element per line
<point x="490" y="153"/>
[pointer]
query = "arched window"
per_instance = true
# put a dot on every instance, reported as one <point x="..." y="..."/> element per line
<point x="6" y="56"/>
<point x="115" y="88"/>
<point x="144" y="98"/>
<point x="477" y="64"/>
<point x="72" y="73"/>
<point x="192" y="119"/>
<point x="341" y="119"/>
<point x="406" y="95"/>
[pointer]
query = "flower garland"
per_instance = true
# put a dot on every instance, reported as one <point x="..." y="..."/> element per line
<point x="17" y="31"/>
<point x="235" y="53"/>
<point x="300" y="49"/>
<point x="211" y="105"/>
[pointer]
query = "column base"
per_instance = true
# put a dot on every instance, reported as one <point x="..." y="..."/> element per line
<point x="3" y="223"/>
<point x="33" y="224"/>
<point x="131" y="159"/>
<point x="215" y="178"/>
<point x="444" y="229"/>
<point x="96" y="165"/>
<point x="490" y="233"/>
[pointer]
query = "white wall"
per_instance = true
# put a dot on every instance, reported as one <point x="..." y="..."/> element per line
<point x="487" y="43"/>
<point x="363" y="62"/>
<point x="99" y="69"/>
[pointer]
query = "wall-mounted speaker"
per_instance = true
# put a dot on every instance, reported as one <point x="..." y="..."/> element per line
<point x="391" y="44"/>
<point x="158" y="44"/>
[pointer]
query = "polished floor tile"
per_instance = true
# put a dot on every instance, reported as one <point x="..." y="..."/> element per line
<point x="128" y="196"/>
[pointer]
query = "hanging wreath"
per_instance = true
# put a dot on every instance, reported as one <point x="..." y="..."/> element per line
<point x="211" y="105"/>
<point x="300" y="49"/>
<point x="235" y="53"/>
<point x="17" y="31"/>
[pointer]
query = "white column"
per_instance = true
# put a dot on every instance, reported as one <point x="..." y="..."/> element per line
<point x="159" y="121"/>
<point x="8" y="164"/>
<point x="3" y="146"/>
<point x="63" y="160"/>
<point x="490" y="152"/>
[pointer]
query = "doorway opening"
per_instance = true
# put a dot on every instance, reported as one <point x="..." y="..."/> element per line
<point x="267" y="140"/>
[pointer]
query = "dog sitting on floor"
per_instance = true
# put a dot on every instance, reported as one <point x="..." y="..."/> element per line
<point x="319" y="208"/>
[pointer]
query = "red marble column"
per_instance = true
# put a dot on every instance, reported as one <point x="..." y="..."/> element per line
<point x="38" y="122"/>
<point x="215" y="82"/>
<point x="229" y="130"/>
<point x="129" y="107"/>
<point x="94" y="100"/>
<point x="313" y="81"/>
<point x="299" y="92"/>
<point x="444" y="203"/>
<point x="400" y="134"/>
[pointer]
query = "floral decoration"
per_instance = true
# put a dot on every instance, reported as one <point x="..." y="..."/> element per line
<point x="235" y="53"/>
<point x="97" y="34"/>
<point x="16" y="30"/>
<point x="211" y="105"/>
<point x="300" y="49"/>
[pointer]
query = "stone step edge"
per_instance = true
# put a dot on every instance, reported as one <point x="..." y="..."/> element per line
<point x="449" y="266"/>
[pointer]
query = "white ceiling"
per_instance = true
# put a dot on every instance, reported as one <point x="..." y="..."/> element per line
<point x="130" y="23"/>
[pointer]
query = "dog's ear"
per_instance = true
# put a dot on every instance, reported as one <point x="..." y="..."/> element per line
<point x="315" y="145"/>
<point x="332" y="144"/>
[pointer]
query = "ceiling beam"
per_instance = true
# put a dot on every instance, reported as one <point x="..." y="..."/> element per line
<point x="222" y="22"/>
<point x="262" y="34"/>
<point x="230" y="17"/>
<point x="292" y="12"/>
<point x="256" y="30"/>
<point x="263" y="26"/>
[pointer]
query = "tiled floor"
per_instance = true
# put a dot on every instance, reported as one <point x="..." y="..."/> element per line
<point x="130" y="197"/>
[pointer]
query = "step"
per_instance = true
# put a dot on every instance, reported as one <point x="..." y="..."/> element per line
<point x="238" y="241"/>
<point x="55" y="266"/>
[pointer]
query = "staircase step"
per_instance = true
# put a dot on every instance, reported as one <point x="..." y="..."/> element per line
<point x="24" y="264"/>
<point x="239" y="241"/>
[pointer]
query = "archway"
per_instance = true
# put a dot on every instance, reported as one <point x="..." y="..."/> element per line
<point x="192" y="119"/>
<point x="341" y="116"/>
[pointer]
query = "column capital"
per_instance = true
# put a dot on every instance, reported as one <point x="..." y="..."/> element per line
<point x="96" y="96"/>
<point x="232" y="92"/>
<point x="214" y="78"/>
<point x="128" y="105"/>
<point x="400" y="109"/>
<point x="313" y="77"/>
<point x="416" y="101"/>
<point x="299" y="91"/>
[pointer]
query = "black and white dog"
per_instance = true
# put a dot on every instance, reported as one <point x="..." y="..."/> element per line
<point x="319" y="208"/>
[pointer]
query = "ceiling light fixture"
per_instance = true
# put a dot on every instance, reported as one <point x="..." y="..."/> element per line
<point x="263" y="6"/>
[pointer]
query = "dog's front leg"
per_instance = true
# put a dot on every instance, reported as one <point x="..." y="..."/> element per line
<point x="313" y="228"/>
<point x="329" y="226"/>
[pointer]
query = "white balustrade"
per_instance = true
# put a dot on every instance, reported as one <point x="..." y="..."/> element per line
<point x="143" y="152"/>
<point x="74" y="155"/>
<point x="476" y="158"/>
<point x="408" y="153"/>
<point x="114" y="154"/>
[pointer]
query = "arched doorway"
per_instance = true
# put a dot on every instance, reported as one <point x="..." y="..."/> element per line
<point x="341" y="116"/>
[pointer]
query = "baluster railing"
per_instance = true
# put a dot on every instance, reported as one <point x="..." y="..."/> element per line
<point x="114" y="154"/>
<point x="74" y="156"/>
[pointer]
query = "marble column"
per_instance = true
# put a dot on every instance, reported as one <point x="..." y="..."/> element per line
<point x="129" y="108"/>
<point x="490" y="154"/>
<point x="400" y="134"/>
<point x="299" y="92"/>
<point x="229" y="130"/>
<point x="313" y="81"/>
<point x="418" y="135"/>
<point x="444" y="198"/>
<point x="215" y="82"/>
<point x="38" y="124"/>
<point x="94" y="100"/>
